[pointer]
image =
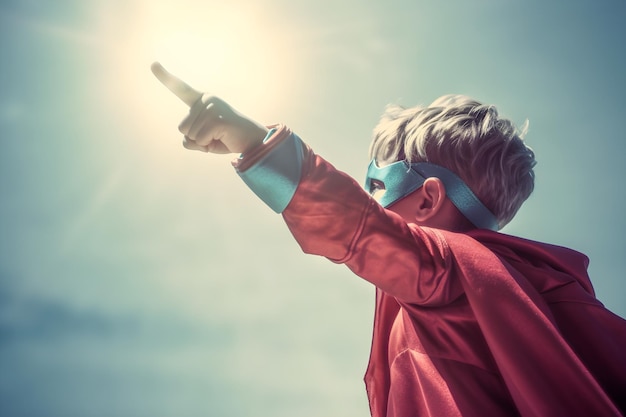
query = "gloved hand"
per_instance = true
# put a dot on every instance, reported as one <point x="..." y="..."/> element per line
<point x="212" y="125"/>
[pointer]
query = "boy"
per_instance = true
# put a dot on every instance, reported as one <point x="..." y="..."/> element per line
<point x="468" y="322"/>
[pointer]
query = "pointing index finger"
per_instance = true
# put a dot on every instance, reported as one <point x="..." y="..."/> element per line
<point x="181" y="89"/>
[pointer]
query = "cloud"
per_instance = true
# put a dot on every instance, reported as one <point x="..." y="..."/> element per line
<point x="37" y="318"/>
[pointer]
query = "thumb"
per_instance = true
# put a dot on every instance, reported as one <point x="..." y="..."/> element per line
<point x="177" y="86"/>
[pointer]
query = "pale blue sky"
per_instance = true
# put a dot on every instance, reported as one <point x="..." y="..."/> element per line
<point x="140" y="279"/>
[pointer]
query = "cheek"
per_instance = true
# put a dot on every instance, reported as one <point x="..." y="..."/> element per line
<point x="405" y="208"/>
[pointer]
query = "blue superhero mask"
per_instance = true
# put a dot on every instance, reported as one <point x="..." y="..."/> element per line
<point x="401" y="178"/>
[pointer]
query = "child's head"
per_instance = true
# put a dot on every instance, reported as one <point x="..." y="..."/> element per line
<point x="468" y="138"/>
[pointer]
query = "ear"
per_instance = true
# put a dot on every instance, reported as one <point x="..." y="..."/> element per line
<point x="432" y="196"/>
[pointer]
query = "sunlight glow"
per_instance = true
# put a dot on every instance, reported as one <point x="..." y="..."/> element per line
<point x="227" y="50"/>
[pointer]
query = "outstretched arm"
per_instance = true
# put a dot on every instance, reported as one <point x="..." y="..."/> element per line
<point x="328" y="213"/>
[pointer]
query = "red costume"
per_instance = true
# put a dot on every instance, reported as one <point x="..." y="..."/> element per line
<point x="477" y="324"/>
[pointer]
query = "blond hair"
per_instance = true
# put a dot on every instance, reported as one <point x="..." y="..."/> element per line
<point x="470" y="139"/>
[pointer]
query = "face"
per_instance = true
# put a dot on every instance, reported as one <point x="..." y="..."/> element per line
<point x="392" y="184"/>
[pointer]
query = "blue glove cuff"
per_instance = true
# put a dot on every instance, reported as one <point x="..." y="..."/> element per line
<point x="275" y="177"/>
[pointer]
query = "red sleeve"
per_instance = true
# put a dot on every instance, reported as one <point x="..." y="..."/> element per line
<point x="331" y="215"/>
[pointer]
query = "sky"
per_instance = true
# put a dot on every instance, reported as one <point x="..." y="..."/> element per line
<point x="141" y="279"/>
